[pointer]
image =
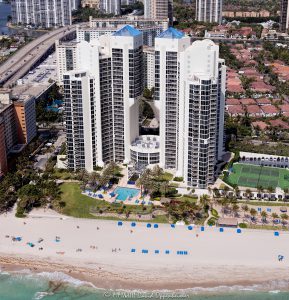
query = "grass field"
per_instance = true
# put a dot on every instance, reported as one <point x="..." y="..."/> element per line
<point x="254" y="176"/>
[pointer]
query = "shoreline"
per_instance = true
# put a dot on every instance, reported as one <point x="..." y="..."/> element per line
<point x="102" y="280"/>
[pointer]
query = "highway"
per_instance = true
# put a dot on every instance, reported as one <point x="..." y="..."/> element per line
<point x="25" y="58"/>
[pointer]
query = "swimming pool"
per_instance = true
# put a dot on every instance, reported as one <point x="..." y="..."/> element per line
<point x="123" y="193"/>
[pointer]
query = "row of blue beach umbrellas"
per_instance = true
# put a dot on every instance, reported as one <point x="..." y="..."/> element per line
<point x="146" y="251"/>
<point x="190" y="227"/>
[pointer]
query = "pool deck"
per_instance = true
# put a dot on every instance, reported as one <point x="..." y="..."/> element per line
<point x="123" y="183"/>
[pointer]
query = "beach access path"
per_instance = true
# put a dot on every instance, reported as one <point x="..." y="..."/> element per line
<point x="100" y="252"/>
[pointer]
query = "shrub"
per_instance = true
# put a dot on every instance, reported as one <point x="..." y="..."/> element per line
<point x="171" y="193"/>
<point x="179" y="179"/>
<point x="20" y="212"/>
<point x="97" y="168"/>
<point x="212" y="221"/>
<point x="243" y="225"/>
<point x="156" y="194"/>
<point x="214" y="213"/>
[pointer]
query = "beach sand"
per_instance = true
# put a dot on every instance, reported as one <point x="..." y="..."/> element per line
<point x="213" y="259"/>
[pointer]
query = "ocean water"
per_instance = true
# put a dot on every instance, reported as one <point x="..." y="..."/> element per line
<point x="57" y="286"/>
<point x="5" y="11"/>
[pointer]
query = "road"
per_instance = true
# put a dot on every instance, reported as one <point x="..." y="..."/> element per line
<point x="22" y="61"/>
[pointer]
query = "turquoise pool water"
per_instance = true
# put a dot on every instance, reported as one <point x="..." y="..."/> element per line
<point x="123" y="193"/>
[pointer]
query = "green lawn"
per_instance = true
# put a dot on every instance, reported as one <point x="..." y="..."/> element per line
<point x="80" y="206"/>
<point x="188" y="198"/>
<point x="254" y="176"/>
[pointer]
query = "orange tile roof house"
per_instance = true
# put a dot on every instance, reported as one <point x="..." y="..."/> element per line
<point x="284" y="108"/>
<point x="254" y="111"/>
<point x="270" y="111"/>
<point x="248" y="101"/>
<point x="262" y="125"/>
<point x="232" y="101"/>
<point x="279" y="123"/>
<point x="262" y="87"/>
<point x="263" y="101"/>
<point x="235" y="110"/>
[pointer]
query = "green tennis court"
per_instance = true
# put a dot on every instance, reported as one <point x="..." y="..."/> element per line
<point x="254" y="176"/>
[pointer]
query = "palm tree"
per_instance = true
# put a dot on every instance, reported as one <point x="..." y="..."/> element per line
<point x="94" y="179"/>
<point x="270" y="190"/>
<point x="237" y="191"/>
<point x="274" y="217"/>
<point x="286" y="191"/>
<point x="260" y="190"/>
<point x="82" y="175"/>
<point x="164" y="187"/>
<point x="248" y="194"/>
<point x="225" y="190"/>
<point x="224" y="204"/>
<point x="216" y="193"/>
<point x="235" y="209"/>
<point x="284" y="218"/>
<point x="264" y="216"/>
<point x="253" y="213"/>
<point x="205" y="200"/>
<point x="157" y="171"/>
<point x="145" y="181"/>
<point x="245" y="209"/>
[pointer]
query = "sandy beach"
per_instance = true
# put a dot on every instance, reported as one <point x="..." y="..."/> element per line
<point x="214" y="258"/>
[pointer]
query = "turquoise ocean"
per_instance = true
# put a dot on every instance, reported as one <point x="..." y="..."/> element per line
<point x="57" y="286"/>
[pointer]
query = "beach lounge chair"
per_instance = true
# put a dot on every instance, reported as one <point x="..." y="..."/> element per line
<point x="173" y="226"/>
<point x="119" y="223"/>
<point x="156" y="226"/>
<point x="239" y="230"/>
<point x="100" y="196"/>
<point x="276" y="233"/>
<point x="202" y="228"/>
<point x="167" y="252"/>
<point x="133" y="224"/>
<point x="259" y="209"/>
<point x="18" y="239"/>
<point x="185" y="252"/>
<point x="157" y="251"/>
<point x="268" y="209"/>
<point x="143" y="202"/>
<point x="144" y="251"/>
<point x="221" y="229"/>
<point x="149" y="225"/>
<point x="132" y="250"/>
<point x="190" y="227"/>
